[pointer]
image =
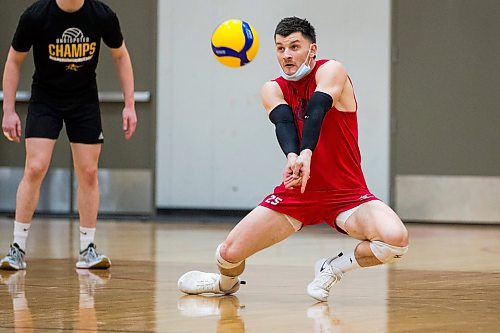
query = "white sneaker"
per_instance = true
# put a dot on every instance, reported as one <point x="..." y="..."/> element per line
<point x="196" y="282"/>
<point x="14" y="260"/>
<point x="325" y="276"/>
<point x="90" y="259"/>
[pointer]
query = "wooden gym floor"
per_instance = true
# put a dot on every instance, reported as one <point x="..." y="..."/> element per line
<point x="448" y="282"/>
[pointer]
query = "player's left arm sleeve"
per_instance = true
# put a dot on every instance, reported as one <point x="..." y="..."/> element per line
<point x="318" y="106"/>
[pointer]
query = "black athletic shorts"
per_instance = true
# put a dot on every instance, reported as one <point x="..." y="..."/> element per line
<point x="83" y="122"/>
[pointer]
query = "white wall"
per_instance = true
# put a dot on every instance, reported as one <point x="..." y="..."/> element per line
<point x="216" y="147"/>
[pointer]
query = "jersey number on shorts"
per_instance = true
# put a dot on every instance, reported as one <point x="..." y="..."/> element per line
<point x="273" y="200"/>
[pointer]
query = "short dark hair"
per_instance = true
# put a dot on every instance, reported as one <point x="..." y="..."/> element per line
<point x="289" y="25"/>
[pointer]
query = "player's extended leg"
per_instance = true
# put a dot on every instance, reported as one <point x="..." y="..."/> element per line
<point x="261" y="228"/>
<point x="384" y="240"/>
<point x="38" y="156"/>
<point x="85" y="159"/>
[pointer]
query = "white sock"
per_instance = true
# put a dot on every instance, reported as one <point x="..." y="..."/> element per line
<point x="21" y="231"/>
<point x="345" y="262"/>
<point x="86" y="237"/>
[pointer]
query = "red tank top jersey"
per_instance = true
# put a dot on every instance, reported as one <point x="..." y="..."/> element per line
<point x="337" y="183"/>
<point x="336" y="161"/>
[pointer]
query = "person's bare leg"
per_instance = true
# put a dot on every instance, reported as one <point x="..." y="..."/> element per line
<point x="384" y="240"/>
<point x="375" y="221"/>
<point x="85" y="159"/>
<point x="261" y="228"/>
<point x="38" y="156"/>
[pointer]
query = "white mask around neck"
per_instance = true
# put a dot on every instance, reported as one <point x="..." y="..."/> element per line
<point x="303" y="70"/>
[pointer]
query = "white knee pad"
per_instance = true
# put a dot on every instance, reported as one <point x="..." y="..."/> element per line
<point x="228" y="268"/>
<point x="387" y="253"/>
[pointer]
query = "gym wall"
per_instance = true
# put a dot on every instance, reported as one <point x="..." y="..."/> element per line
<point x="445" y="110"/>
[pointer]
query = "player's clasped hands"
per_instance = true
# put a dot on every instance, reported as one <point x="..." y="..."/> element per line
<point x="298" y="169"/>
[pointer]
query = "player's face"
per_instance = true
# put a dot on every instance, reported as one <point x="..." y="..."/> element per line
<point x="293" y="50"/>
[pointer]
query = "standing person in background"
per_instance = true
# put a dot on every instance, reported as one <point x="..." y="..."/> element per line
<point x="314" y="109"/>
<point x="65" y="36"/>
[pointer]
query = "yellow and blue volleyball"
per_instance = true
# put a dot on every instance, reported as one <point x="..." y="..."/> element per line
<point x="235" y="43"/>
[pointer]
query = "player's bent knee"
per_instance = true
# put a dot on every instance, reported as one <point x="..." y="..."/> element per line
<point x="394" y="233"/>
<point x="398" y="238"/>
<point x="232" y="252"/>
<point x="387" y="253"/>
<point x="228" y="268"/>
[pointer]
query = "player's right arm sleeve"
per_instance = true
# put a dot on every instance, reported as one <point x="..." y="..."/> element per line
<point x="286" y="132"/>
<point x="24" y="35"/>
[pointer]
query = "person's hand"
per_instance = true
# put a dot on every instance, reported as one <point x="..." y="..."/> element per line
<point x="288" y="178"/>
<point x="291" y="181"/>
<point x="11" y="126"/>
<point x="129" y="119"/>
<point x="302" y="168"/>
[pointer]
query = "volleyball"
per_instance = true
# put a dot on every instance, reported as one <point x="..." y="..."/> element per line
<point x="235" y="43"/>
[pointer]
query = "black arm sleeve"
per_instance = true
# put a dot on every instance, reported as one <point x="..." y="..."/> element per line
<point x="286" y="132"/>
<point x="318" y="106"/>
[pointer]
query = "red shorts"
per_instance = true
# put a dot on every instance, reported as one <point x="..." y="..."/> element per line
<point x="314" y="207"/>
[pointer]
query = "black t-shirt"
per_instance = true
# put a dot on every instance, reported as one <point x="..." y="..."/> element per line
<point x="66" y="49"/>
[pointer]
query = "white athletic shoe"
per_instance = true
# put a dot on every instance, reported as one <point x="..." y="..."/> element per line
<point x="196" y="282"/>
<point x="325" y="276"/>
<point x="14" y="260"/>
<point x="90" y="259"/>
